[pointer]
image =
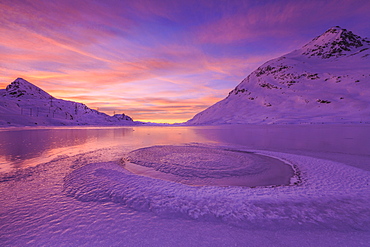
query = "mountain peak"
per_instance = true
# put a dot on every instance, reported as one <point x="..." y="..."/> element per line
<point x="335" y="42"/>
<point x="335" y="29"/>
<point x="21" y="80"/>
<point x="325" y="81"/>
<point x="22" y="88"/>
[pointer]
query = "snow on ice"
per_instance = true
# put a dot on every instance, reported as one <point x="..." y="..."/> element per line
<point x="326" y="194"/>
<point x="90" y="199"/>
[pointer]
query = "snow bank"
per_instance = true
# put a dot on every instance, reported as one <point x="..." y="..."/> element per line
<point x="331" y="195"/>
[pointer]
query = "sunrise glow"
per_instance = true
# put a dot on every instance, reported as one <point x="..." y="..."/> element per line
<point x="156" y="61"/>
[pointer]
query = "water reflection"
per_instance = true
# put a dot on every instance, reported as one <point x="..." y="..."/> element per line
<point x="24" y="147"/>
<point x="350" y="139"/>
<point x="349" y="144"/>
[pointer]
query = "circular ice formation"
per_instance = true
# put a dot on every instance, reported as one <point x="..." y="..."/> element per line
<point x="199" y="165"/>
<point x="331" y="195"/>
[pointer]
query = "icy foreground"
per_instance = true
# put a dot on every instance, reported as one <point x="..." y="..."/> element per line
<point x="88" y="198"/>
<point x="24" y="104"/>
<point x="327" y="80"/>
<point x="326" y="195"/>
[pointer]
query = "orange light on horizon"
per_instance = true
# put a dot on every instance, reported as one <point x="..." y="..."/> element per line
<point x="156" y="61"/>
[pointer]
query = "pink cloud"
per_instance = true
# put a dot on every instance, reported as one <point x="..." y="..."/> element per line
<point x="276" y="19"/>
<point x="68" y="22"/>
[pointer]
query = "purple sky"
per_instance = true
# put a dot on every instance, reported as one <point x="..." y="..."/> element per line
<point x="160" y="61"/>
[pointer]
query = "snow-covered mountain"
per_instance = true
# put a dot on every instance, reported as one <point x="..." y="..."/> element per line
<point x="24" y="104"/>
<point x="327" y="80"/>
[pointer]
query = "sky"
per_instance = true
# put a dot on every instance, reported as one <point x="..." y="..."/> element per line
<point x="157" y="61"/>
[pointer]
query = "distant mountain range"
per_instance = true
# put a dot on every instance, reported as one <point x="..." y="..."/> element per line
<point x="24" y="104"/>
<point x="327" y="80"/>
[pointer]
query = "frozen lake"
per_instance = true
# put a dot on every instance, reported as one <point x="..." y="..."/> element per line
<point x="80" y="196"/>
<point x="25" y="147"/>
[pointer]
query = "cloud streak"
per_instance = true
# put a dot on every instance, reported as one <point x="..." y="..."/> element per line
<point x="277" y="19"/>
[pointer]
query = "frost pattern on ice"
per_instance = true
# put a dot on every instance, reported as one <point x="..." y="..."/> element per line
<point x="192" y="161"/>
<point x="201" y="165"/>
<point x="332" y="195"/>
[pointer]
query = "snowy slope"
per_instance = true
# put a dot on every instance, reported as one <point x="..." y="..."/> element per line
<point x="327" y="80"/>
<point x="24" y="104"/>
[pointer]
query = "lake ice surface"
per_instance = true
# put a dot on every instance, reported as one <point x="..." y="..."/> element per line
<point x="199" y="166"/>
<point x="82" y="196"/>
